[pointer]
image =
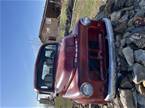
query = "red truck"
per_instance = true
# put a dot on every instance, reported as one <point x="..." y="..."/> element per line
<point x="82" y="67"/>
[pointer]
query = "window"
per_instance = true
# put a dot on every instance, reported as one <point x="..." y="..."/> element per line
<point x="47" y="77"/>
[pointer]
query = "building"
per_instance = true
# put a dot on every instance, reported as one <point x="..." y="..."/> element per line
<point x="49" y="29"/>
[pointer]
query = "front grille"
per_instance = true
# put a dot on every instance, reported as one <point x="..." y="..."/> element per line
<point x="93" y="61"/>
<point x="93" y="44"/>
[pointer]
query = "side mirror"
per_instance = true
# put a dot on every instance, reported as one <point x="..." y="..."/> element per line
<point x="45" y="68"/>
<point x="45" y="99"/>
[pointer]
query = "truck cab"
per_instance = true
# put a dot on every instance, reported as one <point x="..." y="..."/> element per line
<point x="80" y="67"/>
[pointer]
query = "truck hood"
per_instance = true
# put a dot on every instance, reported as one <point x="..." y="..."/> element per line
<point x="65" y="64"/>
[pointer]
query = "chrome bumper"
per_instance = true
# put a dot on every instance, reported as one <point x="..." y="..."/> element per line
<point x="112" y="61"/>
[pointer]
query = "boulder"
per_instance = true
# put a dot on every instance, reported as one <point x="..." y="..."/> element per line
<point x="127" y="100"/>
<point x="138" y="73"/>
<point x="140" y="56"/>
<point x="143" y="83"/>
<point x="115" y="15"/>
<point x="141" y="101"/>
<point x="128" y="54"/>
<point x="141" y="89"/>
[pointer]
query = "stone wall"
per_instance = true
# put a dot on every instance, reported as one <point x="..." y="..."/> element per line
<point x="128" y="21"/>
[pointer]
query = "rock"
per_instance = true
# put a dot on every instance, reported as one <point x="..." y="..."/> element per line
<point x="142" y="4"/>
<point x="130" y="23"/>
<point x="133" y="46"/>
<point x="141" y="100"/>
<point x="134" y="29"/>
<point x="108" y="7"/>
<point x="122" y="64"/>
<point x="134" y="93"/>
<point x="138" y="73"/>
<point x="140" y="56"/>
<point x="123" y="42"/>
<point x="143" y="83"/>
<point x="125" y="82"/>
<point x="141" y="89"/>
<point x="129" y="3"/>
<point x="138" y="39"/>
<point x="118" y="39"/>
<point x="127" y="99"/>
<point x="121" y="27"/>
<point x="115" y="15"/>
<point x="139" y="21"/>
<point x="127" y="18"/>
<point x="118" y="4"/>
<point x="101" y="8"/>
<point x="123" y="18"/>
<point x="126" y="34"/>
<point x="136" y="36"/>
<point x="100" y="15"/>
<point x="131" y="13"/>
<point x="117" y="103"/>
<point x="128" y="54"/>
<point x="128" y="41"/>
<point x="130" y="29"/>
<point x="140" y="13"/>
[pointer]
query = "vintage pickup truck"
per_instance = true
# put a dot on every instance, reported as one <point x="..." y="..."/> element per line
<point x="82" y="67"/>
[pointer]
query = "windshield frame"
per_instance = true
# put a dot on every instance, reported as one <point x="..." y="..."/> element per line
<point x="39" y="69"/>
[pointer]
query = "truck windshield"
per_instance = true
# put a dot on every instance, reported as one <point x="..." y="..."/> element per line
<point x="47" y="76"/>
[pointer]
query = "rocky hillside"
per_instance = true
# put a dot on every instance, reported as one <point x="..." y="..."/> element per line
<point x="128" y="21"/>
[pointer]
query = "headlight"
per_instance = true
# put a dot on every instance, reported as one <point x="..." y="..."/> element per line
<point x="85" y="21"/>
<point x="86" y="89"/>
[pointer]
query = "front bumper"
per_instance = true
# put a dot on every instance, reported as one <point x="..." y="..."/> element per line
<point x="112" y="61"/>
